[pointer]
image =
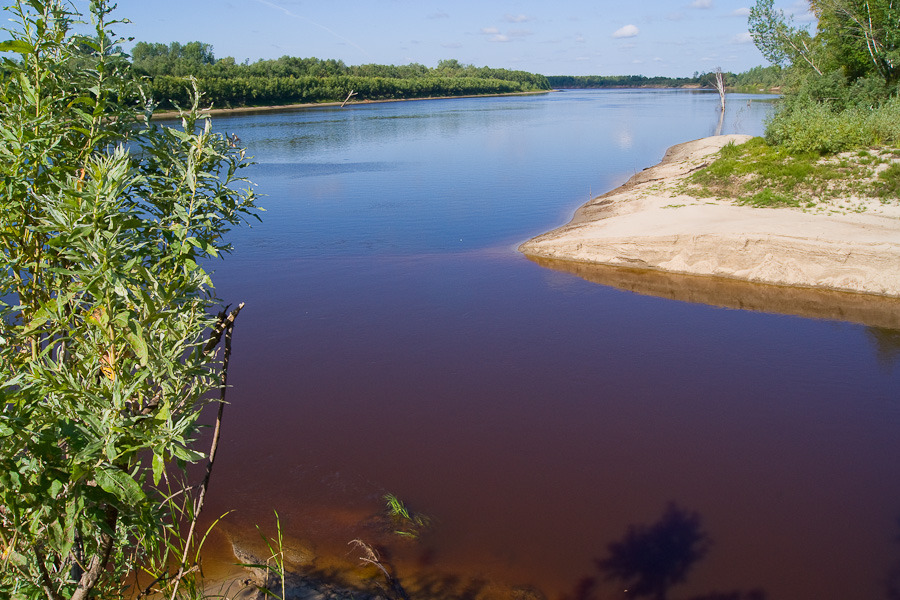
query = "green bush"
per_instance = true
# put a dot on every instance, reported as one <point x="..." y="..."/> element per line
<point x="105" y="220"/>
<point x="816" y="127"/>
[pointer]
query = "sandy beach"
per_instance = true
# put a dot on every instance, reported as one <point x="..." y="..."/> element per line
<point x="650" y="224"/>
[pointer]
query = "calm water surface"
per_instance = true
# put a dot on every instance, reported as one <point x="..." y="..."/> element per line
<point x="395" y="341"/>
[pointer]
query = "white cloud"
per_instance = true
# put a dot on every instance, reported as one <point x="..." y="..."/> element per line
<point x="742" y="38"/>
<point x="452" y="45"/>
<point x="741" y="12"/>
<point x="516" y="18"/>
<point x="490" y="31"/>
<point x="626" y="32"/>
<point x="520" y="33"/>
<point x="701" y="4"/>
<point x="439" y="15"/>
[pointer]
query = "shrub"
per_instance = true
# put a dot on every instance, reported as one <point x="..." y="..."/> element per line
<point x="105" y="219"/>
<point x="815" y="127"/>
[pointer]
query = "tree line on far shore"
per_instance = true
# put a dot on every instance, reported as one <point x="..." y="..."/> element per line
<point x="755" y="80"/>
<point x="292" y="80"/>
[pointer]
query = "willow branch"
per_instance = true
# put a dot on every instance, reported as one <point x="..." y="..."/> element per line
<point x="45" y="577"/>
<point x="98" y="563"/>
<point x="227" y="327"/>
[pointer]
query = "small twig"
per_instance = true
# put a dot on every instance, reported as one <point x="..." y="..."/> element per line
<point x="371" y="558"/>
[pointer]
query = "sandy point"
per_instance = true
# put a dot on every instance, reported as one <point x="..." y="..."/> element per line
<point x="650" y="223"/>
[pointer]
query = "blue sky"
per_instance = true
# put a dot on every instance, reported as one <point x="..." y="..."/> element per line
<point x="563" y="37"/>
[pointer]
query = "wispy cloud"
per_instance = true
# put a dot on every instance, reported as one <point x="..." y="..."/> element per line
<point x="742" y="38"/>
<point x="500" y="37"/>
<point x="308" y="20"/>
<point x="520" y="33"/>
<point x="517" y="18"/>
<point x="628" y="31"/>
<point x="438" y="15"/>
<point x="701" y="4"/>
<point x="495" y="35"/>
<point x="741" y="12"/>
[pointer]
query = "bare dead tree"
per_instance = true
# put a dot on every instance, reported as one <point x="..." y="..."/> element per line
<point x="720" y="87"/>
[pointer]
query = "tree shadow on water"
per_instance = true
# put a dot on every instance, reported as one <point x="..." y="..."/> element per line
<point x="651" y="559"/>
<point x="887" y="344"/>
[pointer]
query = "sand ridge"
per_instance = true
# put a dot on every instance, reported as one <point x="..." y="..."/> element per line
<point x="649" y="223"/>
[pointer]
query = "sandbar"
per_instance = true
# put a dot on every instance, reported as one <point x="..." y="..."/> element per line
<point x="650" y="223"/>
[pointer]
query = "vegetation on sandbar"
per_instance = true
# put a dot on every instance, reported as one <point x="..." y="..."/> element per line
<point x="835" y="131"/>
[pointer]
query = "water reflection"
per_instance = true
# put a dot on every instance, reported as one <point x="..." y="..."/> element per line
<point x="881" y="314"/>
<point x="887" y="344"/>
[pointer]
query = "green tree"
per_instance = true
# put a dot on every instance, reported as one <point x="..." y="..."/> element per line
<point x="863" y="36"/>
<point x="105" y="309"/>
<point x="778" y="40"/>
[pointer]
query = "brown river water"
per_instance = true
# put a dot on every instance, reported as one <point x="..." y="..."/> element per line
<point x="395" y="342"/>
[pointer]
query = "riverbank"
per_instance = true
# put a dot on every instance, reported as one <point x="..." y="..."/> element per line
<point x="172" y="114"/>
<point x="651" y="223"/>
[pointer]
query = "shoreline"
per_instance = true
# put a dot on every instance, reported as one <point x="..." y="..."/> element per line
<point x="650" y="224"/>
<point x="174" y="114"/>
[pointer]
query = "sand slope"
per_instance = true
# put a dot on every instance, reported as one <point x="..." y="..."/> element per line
<point x="647" y="224"/>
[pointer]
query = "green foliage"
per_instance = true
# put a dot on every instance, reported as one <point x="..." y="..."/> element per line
<point x="842" y="82"/>
<point x="888" y="185"/>
<point x="759" y="78"/>
<point x="407" y="523"/>
<point x="764" y="175"/>
<point x="620" y="81"/>
<point x="290" y="80"/>
<point x="105" y="220"/>
<point x="779" y="41"/>
<point x="810" y="126"/>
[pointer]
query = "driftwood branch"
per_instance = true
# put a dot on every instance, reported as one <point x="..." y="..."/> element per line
<point x="347" y="99"/>
<point x="225" y="326"/>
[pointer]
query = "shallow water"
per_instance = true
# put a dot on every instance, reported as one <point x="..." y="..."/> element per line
<point x="394" y="341"/>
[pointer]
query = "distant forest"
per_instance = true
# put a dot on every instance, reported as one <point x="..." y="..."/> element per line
<point x="291" y="80"/>
<point x="754" y="80"/>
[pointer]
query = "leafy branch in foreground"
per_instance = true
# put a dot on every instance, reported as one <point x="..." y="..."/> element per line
<point x="105" y="310"/>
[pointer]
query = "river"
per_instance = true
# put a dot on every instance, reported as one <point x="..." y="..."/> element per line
<point x="394" y="341"/>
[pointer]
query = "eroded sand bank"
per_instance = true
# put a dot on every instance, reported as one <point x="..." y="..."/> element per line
<point x="648" y="223"/>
